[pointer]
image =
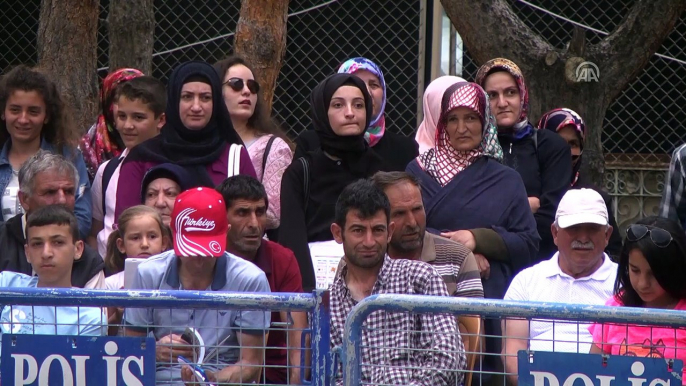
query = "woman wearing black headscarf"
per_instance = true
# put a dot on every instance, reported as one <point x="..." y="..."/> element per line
<point x="341" y="110"/>
<point x="198" y="136"/>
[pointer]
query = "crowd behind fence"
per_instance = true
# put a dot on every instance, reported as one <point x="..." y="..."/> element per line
<point x="645" y="121"/>
<point x="641" y="128"/>
<point x="323" y="365"/>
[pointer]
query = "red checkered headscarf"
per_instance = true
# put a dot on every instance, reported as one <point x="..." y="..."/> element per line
<point x="102" y="141"/>
<point x="444" y="162"/>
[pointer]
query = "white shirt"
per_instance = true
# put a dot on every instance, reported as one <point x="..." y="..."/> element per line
<point x="110" y="202"/>
<point x="10" y="198"/>
<point x="545" y="282"/>
<point x="115" y="281"/>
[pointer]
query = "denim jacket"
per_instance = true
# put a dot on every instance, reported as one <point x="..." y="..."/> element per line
<point x="83" y="207"/>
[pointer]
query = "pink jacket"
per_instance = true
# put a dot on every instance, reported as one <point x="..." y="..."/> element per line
<point x="278" y="159"/>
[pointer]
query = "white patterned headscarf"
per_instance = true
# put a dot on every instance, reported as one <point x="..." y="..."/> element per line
<point x="444" y="162"/>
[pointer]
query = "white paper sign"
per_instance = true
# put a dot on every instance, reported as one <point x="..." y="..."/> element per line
<point x="326" y="255"/>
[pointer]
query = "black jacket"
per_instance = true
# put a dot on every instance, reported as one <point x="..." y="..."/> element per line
<point x="544" y="162"/>
<point x="396" y="150"/>
<point x="13" y="258"/>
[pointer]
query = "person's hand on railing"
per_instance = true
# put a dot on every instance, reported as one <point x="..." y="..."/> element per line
<point x="169" y="348"/>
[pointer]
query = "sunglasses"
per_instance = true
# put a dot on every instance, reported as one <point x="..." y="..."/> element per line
<point x="660" y="237"/>
<point x="237" y="84"/>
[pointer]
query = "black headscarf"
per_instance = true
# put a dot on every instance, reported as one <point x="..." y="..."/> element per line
<point x="353" y="149"/>
<point x="176" y="143"/>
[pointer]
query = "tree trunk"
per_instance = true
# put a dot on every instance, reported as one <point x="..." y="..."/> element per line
<point x="261" y="40"/>
<point x="67" y="51"/>
<point x="131" y="28"/>
<point x="491" y="29"/>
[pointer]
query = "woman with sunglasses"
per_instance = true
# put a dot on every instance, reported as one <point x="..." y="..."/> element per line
<point x="571" y="127"/>
<point x="198" y="136"/>
<point x="269" y="148"/>
<point x="650" y="274"/>
<point x="396" y="150"/>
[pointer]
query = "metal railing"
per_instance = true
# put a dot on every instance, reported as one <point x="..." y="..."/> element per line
<point x="351" y="351"/>
<point x="315" y="305"/>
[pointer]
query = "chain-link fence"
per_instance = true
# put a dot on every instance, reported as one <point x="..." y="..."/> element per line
<point x="646" y="119"/>
<point x="321" y="35"/>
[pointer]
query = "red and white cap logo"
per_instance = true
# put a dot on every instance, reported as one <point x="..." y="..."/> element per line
<point x="199" y="223"/>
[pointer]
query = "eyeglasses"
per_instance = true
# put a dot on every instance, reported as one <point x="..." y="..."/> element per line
<point x="237" y="85"/>
<point x="660" y="237"/>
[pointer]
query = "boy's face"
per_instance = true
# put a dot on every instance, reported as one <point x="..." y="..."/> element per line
<point x="51" y="251"/>
<point x="136" y="122"/>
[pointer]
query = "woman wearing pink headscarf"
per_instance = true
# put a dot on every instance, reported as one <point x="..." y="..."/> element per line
<point x="426" y="133"/>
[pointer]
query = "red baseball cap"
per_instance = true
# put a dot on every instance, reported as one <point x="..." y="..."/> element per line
<point x="198" y="223"/>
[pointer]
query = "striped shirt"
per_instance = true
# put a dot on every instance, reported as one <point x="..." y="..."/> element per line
<point x="673" y="205"/>
<point x="456" y="265"/>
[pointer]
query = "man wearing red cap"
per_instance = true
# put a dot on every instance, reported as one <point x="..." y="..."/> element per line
<point x="232" y="340"/>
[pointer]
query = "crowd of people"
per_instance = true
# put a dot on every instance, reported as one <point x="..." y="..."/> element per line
<point x="196" y="178"/>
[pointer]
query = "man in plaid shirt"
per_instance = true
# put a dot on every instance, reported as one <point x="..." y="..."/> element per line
<point x="397" y="348"/>
<point x="673" y="205"/>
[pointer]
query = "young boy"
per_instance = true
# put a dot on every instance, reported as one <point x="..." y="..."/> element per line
<point x="52" y="245"/>
<point x="140" y="105"/>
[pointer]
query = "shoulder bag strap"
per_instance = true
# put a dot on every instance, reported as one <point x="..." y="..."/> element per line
<point x="267" y="149"/>
<point x="306" y="181"/>
<point x="234" y="160"/>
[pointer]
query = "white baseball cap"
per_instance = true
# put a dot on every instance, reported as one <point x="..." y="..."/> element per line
<point x="581" y="206"/>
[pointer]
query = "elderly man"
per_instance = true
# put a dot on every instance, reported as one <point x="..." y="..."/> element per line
<point x="579" y="273"/>
<point x="234" y="339"/>
<point x="401" y="349"/>
<point x="47" y="179"/>
<point x="454" y="261"/>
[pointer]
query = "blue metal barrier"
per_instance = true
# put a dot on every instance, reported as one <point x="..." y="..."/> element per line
<point x="352" y="336"/>
<point x="316" y="303"/>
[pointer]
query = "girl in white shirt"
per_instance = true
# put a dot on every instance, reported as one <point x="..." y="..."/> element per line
<point x="139" y="233"/>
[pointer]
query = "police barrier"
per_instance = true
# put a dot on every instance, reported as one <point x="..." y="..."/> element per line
<point x="625" y="370"/>
<point x="108" y="360"/>
<point x="124" y="365"/>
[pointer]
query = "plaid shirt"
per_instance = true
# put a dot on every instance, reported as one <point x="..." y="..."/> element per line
<point x="673" y="206"/>
<point x="402" y="348"/>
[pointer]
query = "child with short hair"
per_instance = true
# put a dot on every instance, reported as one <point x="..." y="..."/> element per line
<point x="52" y="245"/>
<point x="140" y="233"/>
<point x="141" y="103"/>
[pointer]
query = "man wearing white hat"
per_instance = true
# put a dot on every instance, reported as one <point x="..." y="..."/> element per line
<point x="580" y="272"/>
